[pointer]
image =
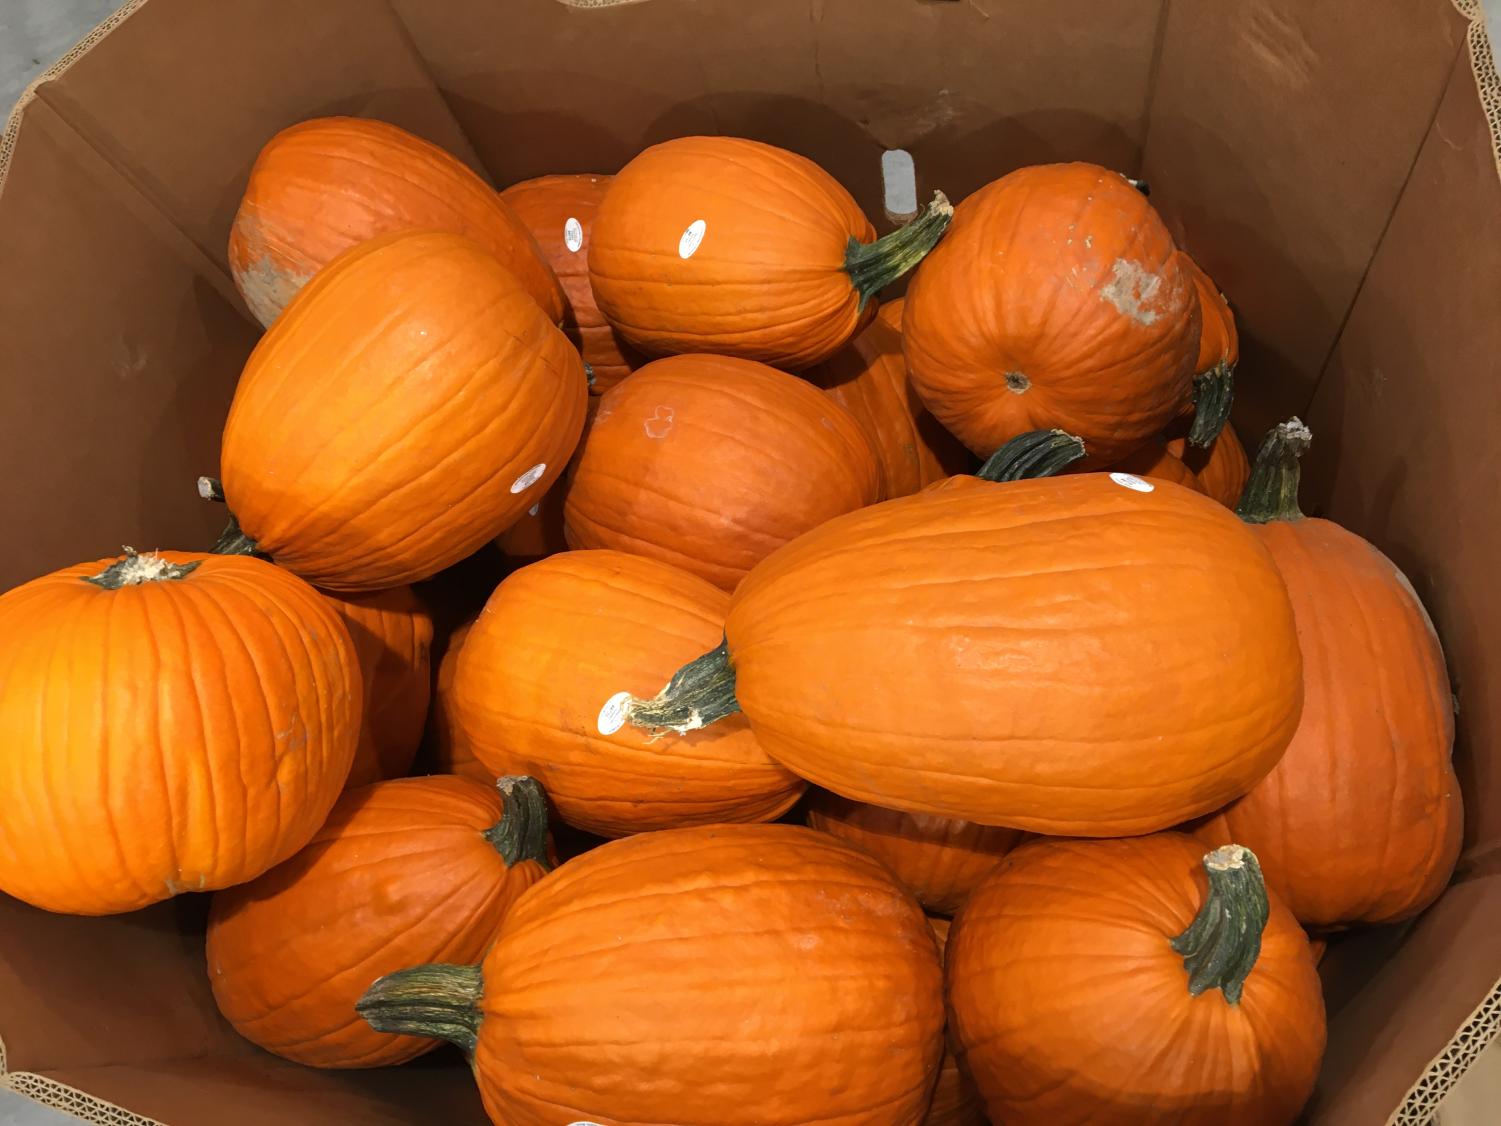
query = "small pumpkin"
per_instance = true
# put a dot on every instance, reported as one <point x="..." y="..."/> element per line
<point x="1113" y="981"/>
<point x="168" y="722"/>
<point x="451" y="752"/>
<point x="724" y="245"/>
<point x="955" y="1100"/>
<point x="1157" y="461"/>
<point x="711" y="463"/>
<point x="328" y="184"/>
<point x="1222" y="468"/>
<point x="411" y="870"/>
<point x="770" y="975"/>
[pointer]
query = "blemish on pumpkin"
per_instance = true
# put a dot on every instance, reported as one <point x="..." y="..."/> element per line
<point x="1089" y="242"/>
<point x="659" y="425"/>
<point x="267" y="288"/>
<point x="1130" y="289"/>
<point x="1017" y="383"/>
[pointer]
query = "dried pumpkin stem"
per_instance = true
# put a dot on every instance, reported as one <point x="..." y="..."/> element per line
<point x="211" y="488"/>
<point x="1037" y="453"/>
<point x="700" y="693"/>
<point x="436" y="1000"/>
<point x="1272" y="491"/>
<point x="1214" y="393"/>
<point x="133" y="569"/>
<point x="1221" y="945"/>
<point x="872" y="266"/>
<point x="1140" y="185"/>
<point x="521" y="832"/>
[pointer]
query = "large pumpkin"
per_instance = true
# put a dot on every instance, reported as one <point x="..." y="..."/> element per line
<point x="718" y="244"/>
<point x="711" y="463"/>
<point x="1113" y="981"/>
<point x="1222" y="468"/>
<point x="451" y="752"/>
<point x="1360" y="820"/>
<point x="955" y="1100"/>
<point x="169" y="722"/>
<point x="408" y="406"/>
<point x="325" y="185"/>
<point x="1056" y="300"/>
<point x="559" y="211"/>
<point x="412" y="870"/>
<point x="741" y="974"/>
<point x="559" y="638"/>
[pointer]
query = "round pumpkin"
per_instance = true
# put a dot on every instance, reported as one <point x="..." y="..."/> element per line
<point x="1157" y="461"/>
<point x="325" y="185"/>
<point x="724" y="245"/>
<point x="1057" y="299"/>
<point x="559" y="638"/>
<point x="411" y="870"/>
<point x="1134" y="981"/>
<point x="1360" y="820"/>
<point x="409" y="405"/>
<point x="451" y="752"/>
<point x="559" y="211"/>
<point x="711" y="463"/>
<point x="1222" y="468"/>
<point x="955" y="1100"/>
<point x="169" y="722"/>
<point x="750" y="974"/>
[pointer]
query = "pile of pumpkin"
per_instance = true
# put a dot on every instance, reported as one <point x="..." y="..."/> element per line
<point x="1147" y="748"/>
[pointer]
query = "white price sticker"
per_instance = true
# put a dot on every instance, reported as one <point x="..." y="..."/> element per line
<point x="612" y="715"/>
<point x="573" y="235"/>
<point x="1133" y="482"/>
<point x="691" y="239"/>
<point x="529" y="478"/>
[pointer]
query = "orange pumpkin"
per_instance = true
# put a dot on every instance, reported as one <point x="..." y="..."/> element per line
<point x="412" y="870"/>
<point x="1159" y="462"/>
<point x="1109" y="981"/>
<point x="559" y="638"/>
<point x="718" y="244"/>
<point x="538" y="532"/>
<point x="1056" y="300"/>
<point x="1219" y="352"/>
<point x="169" y="722"/>
<point x="711" y="463"/>
<point x="768" y="975"/>
<point x="409" y="405"/>
<point x="955" y="1100"/>
<point x="938" y="859"/>
<point x="1360" y="821"/>
<point x="559" y="211"/>
<point x="1222" y="468"/>
<point x="451" y="752"/>
<point x="325" y="185"/>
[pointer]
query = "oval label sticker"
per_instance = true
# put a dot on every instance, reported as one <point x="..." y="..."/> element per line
<point x="1133" y="482"/>
<point x="529" y="478"/>
<point x="573" y="235"/>
<point x="691" y="238"/>
<point x="612" y="715"/>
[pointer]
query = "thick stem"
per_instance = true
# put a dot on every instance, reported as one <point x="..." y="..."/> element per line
<point x="1214" y="394"/>
<point x="133" y="569"/>
<point x="872" y="266"/>
<point x="1272" y="491"/>
<point x="700" y="693"/>
<point x="521" y="832"/>
<point x="232" y="541"/>
<point x="1221" y="945"/>
<point x="1037" y="453"/>
<point x="437" y="1000"/>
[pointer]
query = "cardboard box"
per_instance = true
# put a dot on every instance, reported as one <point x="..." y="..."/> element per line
<point x="1331" y="165"/>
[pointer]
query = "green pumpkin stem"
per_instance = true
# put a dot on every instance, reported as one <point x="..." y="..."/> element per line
<point x="872" y="266"/>
<point x="700" y="693"/>
<point x="1037" y="453"/>
<point x="521" y="832"/>
<point x="133" y="569"/>
<point x="1271" y="493"/>
<point x="233" y="540"/>
<point x="1214" y="394"/>
<point x="438" y="1000"/>
<point x="1221" y="945"/>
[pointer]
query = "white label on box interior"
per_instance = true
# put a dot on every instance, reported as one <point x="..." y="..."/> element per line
<point x="529" y="478"/>
<point x="691" y="238"/>
<point x="899" y="181"/>
<point x="1131" y="481"/>
<point x="573" y="235"/>
<point x="612" y="715"/>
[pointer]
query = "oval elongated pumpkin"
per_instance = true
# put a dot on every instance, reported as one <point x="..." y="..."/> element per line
<point x="724" y="245"/>
<point x="1110" y="981"/>
<point x="328" y="184"/>
<point x="955" y="1100"/>
<point x="1056" y="300"/>
<point x="169" y="722"/>
<point x="1360" y="821"/>
<point x="712" y="463"/>
<point x="1222" y="469"/>
<point x="411" y="870"/>
<point x="555" y="641"/>
<point x="559" y="211"/>
<point x="451" y="751"/>
<point x="411" y="403"/>
<point x="770" y="976"/>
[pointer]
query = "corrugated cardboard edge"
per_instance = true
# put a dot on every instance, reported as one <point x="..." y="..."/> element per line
<point x="1483" y="63"/>
<point x="70" y="1100"/>
<point x="1426" y="1095"/>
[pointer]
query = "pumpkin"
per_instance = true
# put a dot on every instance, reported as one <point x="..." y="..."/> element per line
<point x="168" y="722"/>
<point x="409" y="405"/>
<point x="559" y="211"/>
<point x="1222" y="468"/>
<point x="711" y="463"/>
<point x="1360" y="821"/>
<point x="1056" y="300"/>
<point x="325" y="185"/>
<point x="868" y="378"/>
<point x="1157" y="461"/>
<point x="769" y="975"/>
<point x="559" y="638"/>
<point x="393" y="636"/>
<point x="1089" y="655"/>
<point x="538" y="532"/>
<point x="1219" y="352"/>
<point x="718" y="244"/>
<point x="451" y="752"/>
<point x="411" y="870"/>
<point x="939" y="860"/>
<point x="1111" y="981"/>
<point x="955" y="1100"/>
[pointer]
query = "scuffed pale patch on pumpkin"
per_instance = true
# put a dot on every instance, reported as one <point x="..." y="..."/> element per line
<point x="659" y="425"/>
<point x="1131" y="289"/>
<point x="267" y="288"/>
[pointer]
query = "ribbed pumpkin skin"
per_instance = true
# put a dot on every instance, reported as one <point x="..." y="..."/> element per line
<point x="382" y="423"/>
<point x="1070" y="1005"/>
<point x="559" y="638"/>
<point x="767" y="282"/>
<point x="538" y="532"/>
<point x="545" y="205"/>
<point x="999" y="654"/>
<point x="1360" y="821"/>
<point x="1158" y="462"/>
<point x="171" y="736"/>
<point x="393" y="637"/>
<point x="1223" y="469"/>
<point x="768" y="975"/>
<point x="1219" y="341"/>
<point x="712" y="463"/>
<point x="939" y="860"/>
<point x="400" y="874"/>
<point x="325" y="185"/>
<point x="1056" y="299"/>
<point x="955" y="1100"/>
<point x="452" y="753"/>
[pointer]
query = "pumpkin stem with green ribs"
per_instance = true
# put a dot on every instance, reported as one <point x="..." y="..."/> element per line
<point x="872" y="266"/>
<point x="1272" y="491"/>
<point x="1220" y="946"/>
<point x="231" y="541"/>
